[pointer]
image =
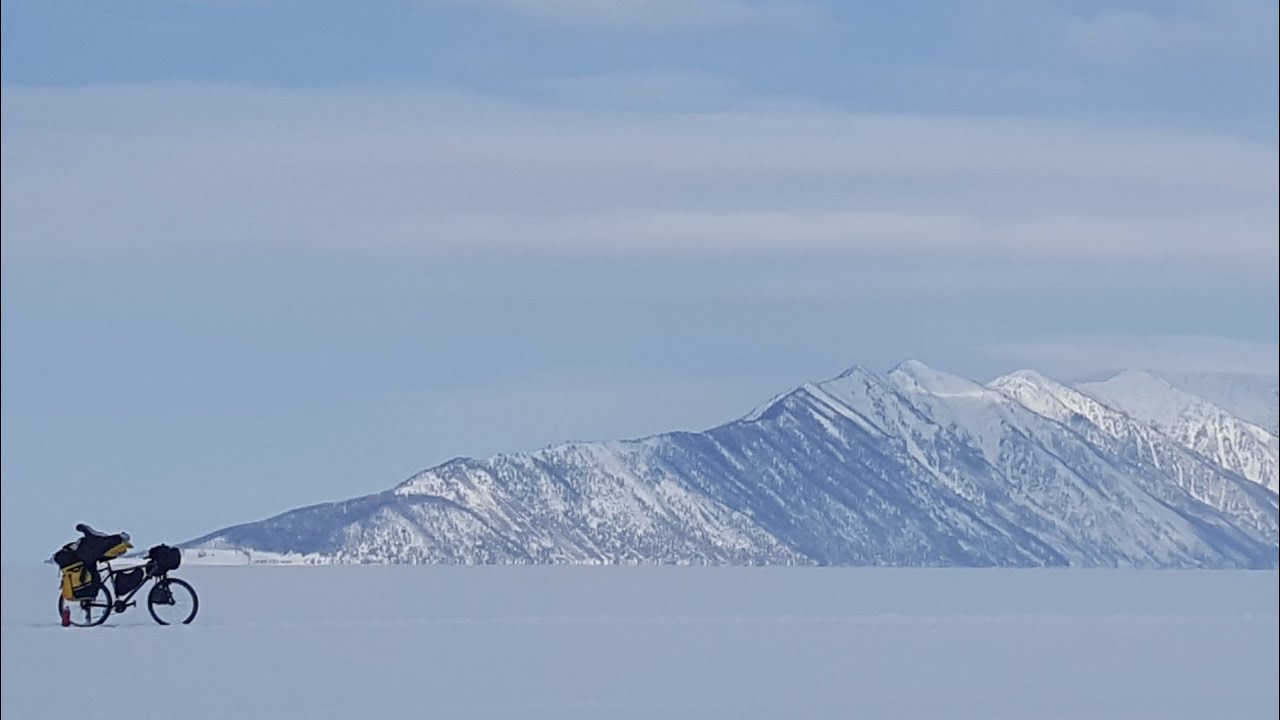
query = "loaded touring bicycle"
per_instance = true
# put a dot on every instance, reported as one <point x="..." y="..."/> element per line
<point x="85" y="599"/>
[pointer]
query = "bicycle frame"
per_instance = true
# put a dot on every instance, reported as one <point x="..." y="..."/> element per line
<point x="123" y="603"/>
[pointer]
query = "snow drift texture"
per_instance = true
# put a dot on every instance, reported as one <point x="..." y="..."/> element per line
<point x="913" y="468"/>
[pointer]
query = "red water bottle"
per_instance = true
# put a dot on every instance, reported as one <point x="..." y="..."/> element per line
<point x="66" y="617"/>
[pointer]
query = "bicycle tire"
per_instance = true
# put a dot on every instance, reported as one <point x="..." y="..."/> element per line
<point x="157" y="596"/>
<point x="74" y="605"/>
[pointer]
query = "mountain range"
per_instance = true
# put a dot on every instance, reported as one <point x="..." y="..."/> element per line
<point x="914" y="467"/>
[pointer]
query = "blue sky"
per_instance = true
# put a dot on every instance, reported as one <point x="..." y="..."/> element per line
<point x="262" y="254"/>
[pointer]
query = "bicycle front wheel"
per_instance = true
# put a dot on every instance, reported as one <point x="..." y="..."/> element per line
<point x="88" y="612"/>
<point x="172" y="602"/>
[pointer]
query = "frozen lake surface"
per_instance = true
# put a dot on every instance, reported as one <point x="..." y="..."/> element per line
<point x="658" y="642"/>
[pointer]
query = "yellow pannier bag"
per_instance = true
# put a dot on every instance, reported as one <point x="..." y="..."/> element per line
<point x="77" y="582"/>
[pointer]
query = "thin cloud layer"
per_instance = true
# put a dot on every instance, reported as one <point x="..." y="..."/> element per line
<point x="657" y="15"/>
<point x="1230" y="28"/>
<point x="1076" y="355"/>
<point x="150" y="171"/>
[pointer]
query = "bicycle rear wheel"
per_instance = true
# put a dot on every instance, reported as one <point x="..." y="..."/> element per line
<point x="89" y="612"/>
<point x="172" y="602"/>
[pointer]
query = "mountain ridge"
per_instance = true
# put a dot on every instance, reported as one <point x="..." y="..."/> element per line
<point x="1194" y="422"/>
<point x="914" y="467"/>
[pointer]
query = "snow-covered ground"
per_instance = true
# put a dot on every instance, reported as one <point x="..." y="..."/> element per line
<point x="658" y="642"/>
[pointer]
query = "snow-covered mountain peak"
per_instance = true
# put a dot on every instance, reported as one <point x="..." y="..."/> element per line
<point x="1138" y="377"/>
<point x="1032" y="377"/>
<point x="856" y="372"/>
<point x="846" y="393"/>
<point x="1194" y="422"/>
<point x="1038" y="393"/>
<point x="1031" y="381"/>
<point x="1050" y="398"/>
<point x="856" y="379"/>
<point x="914" y="376"/>
<point x="1150" y="398"/>
<point x="1152" y="387"/>
<point x="912" y="365"/>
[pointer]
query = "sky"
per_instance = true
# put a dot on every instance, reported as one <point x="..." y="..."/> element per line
<point x="259" y="254"/>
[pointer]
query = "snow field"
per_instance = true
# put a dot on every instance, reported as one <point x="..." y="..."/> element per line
<point x="658" y="642"/>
